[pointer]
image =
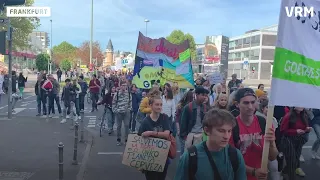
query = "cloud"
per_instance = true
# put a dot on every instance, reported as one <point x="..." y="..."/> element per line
<point x="121" y="20"/>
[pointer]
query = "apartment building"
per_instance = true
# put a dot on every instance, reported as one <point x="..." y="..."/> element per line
<point x="251" y="54"/>
<point x="39" y="40"/>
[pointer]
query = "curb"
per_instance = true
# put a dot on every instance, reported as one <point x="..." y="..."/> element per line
<point x="82" y="169"/>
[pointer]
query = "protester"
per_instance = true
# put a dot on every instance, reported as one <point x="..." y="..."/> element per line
<point x="214" y="158"/>
<point x="155" y="125"/>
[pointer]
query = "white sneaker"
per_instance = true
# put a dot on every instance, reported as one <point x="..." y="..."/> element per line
<point x="79" y="117"/>
<point x="302" y="159"/>
<point x="68" y="116"/>
<point x="50" y="116"/>
<point x="314" y="155"/>
<point x="44" y="116"/>
<point x="63" y="121"/>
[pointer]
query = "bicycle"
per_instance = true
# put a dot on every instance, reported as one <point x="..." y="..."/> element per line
<point x="89" y="101"/>
<point x="102" y="119"/>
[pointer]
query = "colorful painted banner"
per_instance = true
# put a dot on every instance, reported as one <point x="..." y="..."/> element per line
<point x="158" y="60"/>
<point x="296" y="67"/>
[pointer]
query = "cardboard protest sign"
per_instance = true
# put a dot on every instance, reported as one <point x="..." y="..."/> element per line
<point x="215" y="78"/>
<point x="146" y="153"/>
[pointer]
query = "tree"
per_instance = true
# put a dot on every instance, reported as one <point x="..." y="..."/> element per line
<point x="63" y="51"/>
<point x="42" y="61"/>
<point x="65" y="64"/>
<point x="178" y="37"/>
<point x="22" y="27"/>
<point x="83" y="53"/>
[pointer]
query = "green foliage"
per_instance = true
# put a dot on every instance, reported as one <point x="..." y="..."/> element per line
<point x="22" y="27"/>
<point x="178" y="37"/>
<point x="63" y="51"/>
<point x="42" y="61"/>
<point x="65" y="64"/>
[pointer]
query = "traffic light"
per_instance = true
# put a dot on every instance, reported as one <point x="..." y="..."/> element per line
<point x="3" y="42"/>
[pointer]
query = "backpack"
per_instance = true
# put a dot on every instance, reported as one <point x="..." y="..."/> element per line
<point x="84" y="87"/>
<point x="190" y="107"/>
<point x="118" y="96"/>
<point x="235" y="130"/>
<point x="193" y="161"/>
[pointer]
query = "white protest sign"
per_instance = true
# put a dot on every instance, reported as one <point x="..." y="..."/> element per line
<point x="296" y="67"/>
<point x="215" y="78"/>
<point x="146" y="153"/>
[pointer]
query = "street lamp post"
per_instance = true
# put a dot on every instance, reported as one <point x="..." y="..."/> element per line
<point x="50" y="70"/>
<point x="91" y="33"/>
<point x="146" y="21"/>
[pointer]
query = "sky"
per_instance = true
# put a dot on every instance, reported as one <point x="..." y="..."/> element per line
<point x="121" y="20"/>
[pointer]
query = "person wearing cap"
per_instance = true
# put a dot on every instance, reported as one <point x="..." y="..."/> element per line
<point x="234" y="83"/>
<point x="192" y="116"/>
<point x="249" y="134"/>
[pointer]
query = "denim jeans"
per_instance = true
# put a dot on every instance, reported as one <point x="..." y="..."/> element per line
<point x="316" y="144"/>
<point x="39" y="101"/>
<point x="44" y="103"/>
<point x="94" y="98"/>
<point x="109" y="115"/>
<point x="132" y="123"/>
<point x="81" y="101"/>
<point x="76" y="103"/>
<point x="125" y="118"/>
<point x="52" y="98"/>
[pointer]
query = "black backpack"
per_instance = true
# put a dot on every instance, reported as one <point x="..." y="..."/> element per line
<point x="193" y="161"/>
<point x="235" y="130"/>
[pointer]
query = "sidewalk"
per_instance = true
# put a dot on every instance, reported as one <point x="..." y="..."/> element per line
<point x="29" y="149"/>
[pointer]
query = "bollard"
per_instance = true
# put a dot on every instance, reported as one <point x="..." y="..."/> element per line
<point x="75" y="150"/>
<point x="82" y="129"/>
<point x="60" y="147"/>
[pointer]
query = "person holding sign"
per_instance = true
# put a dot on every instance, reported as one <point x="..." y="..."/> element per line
<point x="155" y="125"/>
<point x="214" y="158"/>
<point x="249" y="134"/>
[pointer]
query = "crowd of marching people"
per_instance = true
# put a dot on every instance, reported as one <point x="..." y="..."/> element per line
<point x="220" y="127"/>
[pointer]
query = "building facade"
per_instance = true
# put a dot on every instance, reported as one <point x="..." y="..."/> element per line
<point x="39" y="40"/>
<point x="109" y="58"/>
<point x="251" y="55"/>
<point x="212" y="56"/>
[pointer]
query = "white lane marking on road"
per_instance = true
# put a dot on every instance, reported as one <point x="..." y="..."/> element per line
<point x="29" y="97"/>
<point x="32" y="108"/>
<point x="92" y="121"/>
<point x="3" y="106"/>
<point x="110" y="153"/>
<point x="307" y="147"/>
<point x="17" y="110"/>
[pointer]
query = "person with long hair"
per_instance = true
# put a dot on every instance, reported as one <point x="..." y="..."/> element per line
<point x="169" y="108"/>
<point x="221" y="102"/>
<point x="156" y="125"/>
<point x="186" y="99"/>
<point x="144" y="105"/>
<point x="108" y="114"/>
<point x="295" y="129"/>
